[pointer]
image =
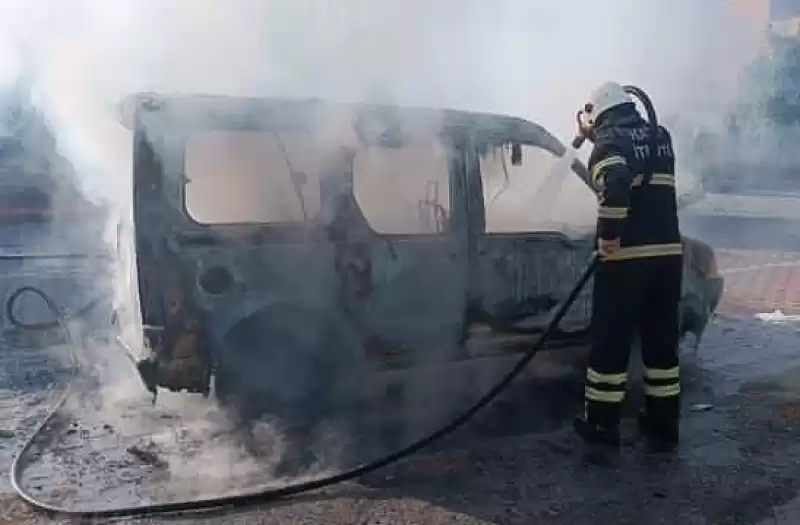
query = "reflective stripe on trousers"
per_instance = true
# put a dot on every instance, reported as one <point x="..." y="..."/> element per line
<point x="662" y="382"/>
<point x="610" y="388"/>
<point x="605" y="388"/>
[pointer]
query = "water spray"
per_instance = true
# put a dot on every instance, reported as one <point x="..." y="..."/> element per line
<point x="550" y="189"/>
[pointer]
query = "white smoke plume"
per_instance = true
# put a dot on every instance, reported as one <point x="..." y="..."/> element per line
<point x="533" y="58"/>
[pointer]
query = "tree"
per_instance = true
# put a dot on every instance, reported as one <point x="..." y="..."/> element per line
<point x="770" y="86"/>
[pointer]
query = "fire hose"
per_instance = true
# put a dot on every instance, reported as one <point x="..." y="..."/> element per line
<point x="218" y="503"/>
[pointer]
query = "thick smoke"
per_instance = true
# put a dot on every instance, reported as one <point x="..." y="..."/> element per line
<point x="532" y="58"/>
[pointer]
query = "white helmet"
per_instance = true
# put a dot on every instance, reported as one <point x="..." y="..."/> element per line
<point x="607" y="96"/>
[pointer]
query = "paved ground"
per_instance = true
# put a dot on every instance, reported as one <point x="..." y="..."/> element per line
<point x="518" y="463"/>
<point x="760" y="281"/>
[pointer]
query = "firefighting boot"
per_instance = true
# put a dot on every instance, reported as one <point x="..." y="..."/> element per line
<point x="662" y="433"/>
<point x="596" y="433"/>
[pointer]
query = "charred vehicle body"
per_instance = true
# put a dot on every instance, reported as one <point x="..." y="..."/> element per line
<point x="282" y="245"/>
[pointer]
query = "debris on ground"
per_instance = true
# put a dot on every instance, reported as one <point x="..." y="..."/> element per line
<point x="147" y="454"/>
<point x="777" y="316"/>
<point x="13" y="511"/>
<point x="789" y="412"/>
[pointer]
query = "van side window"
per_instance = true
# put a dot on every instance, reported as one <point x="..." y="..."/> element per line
<point x="405" y="189"/>
<point x="247" y="176"/>
<point x="537" y="194"/>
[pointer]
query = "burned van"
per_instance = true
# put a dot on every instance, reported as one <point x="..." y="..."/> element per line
<point x="282" y="245"/>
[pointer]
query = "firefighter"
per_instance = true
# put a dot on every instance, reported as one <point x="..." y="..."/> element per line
<point x="637" y="284"/>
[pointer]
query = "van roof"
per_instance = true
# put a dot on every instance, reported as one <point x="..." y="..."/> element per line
<point x="199" y="106"/>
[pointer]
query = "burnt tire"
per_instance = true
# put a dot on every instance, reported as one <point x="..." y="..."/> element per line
<point x="282" y="362"/>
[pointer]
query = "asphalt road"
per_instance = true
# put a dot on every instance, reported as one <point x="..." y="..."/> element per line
<point x="517" y="463"/>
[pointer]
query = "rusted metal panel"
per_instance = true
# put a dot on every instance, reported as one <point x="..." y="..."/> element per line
<point x="532" y="273"/>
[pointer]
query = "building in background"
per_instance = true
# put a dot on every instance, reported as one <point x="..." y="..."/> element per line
<point x="770" y="16"/>
<point x="746" y="160"/>
<point x="784" y="17"/>
<point x="763" y="17"/>
<point x="783" y="10"/>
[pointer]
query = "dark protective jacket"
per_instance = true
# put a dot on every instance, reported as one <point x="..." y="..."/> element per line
<point x="634" y="178"/>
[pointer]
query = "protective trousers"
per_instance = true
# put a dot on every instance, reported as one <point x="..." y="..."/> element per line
<point x="636" y="295"/>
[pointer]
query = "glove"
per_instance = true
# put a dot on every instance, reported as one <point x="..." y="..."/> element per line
<point x="607" y="247"/>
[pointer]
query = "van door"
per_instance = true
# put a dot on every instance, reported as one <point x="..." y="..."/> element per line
<point x="417" y="253"/>
<point x="537" y="239"/>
